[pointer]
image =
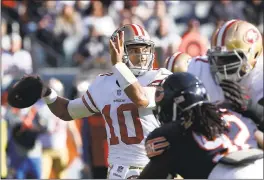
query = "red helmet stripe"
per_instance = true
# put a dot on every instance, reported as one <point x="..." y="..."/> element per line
<point x="142" y="30"/>
<point x="174" y="61"/>
<point x="134" y="29"/>
<point x="224" y="34"/>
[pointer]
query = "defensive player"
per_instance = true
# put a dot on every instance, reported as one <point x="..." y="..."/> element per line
<point x="178" y="62"/>
<point x="234" y="60"/>
<point x="125" y="98"/>
<point x="199" y="140"/>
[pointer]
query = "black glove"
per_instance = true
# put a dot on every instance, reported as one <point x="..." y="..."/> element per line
<point x="236" y="95"/>
<point x="28" y="90"/>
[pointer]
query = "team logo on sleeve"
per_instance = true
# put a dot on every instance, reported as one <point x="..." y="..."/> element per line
<point x="156" y="146"/>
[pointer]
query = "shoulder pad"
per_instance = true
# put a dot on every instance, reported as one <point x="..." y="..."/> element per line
<point x="160" y="75"/>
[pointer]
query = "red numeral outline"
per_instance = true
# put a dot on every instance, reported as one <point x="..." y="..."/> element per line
<point x="122" y="125"/>
<point x="239" y="141"/>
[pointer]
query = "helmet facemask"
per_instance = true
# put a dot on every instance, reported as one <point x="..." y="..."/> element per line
<point x="232" y="65"/>
<point x="141" y="68"/>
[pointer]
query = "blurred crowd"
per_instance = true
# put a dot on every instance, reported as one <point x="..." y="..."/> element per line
<point x="76" y="33"/>
<point x="41" y="34"/>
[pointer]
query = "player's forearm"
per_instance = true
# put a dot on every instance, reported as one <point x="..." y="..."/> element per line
<point x="59" y="108"/>
<point x="136" y="93"/>
<point x="67" y="109"/>
<point x="129" y="83"/>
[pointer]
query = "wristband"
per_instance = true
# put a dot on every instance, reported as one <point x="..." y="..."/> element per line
<point x="124" y="75"/>
<point x="50" y="98"/>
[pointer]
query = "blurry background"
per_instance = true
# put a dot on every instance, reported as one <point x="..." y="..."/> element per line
<point x="67" y="41"/>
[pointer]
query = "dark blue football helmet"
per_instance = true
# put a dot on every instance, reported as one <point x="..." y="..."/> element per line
<point x="177" y="94"/>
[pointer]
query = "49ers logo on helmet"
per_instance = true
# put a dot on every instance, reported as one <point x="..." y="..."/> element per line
<point x="139" y="38"/>
<point x="251" y="36"/>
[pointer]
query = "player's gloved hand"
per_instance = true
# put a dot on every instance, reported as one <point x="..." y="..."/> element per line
<point x="28" y="90"/>
<point x="236" y="95"/>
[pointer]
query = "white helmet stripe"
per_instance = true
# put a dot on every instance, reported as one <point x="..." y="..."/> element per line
<point x="171" y="61"/>
<point x="221" y="32"/>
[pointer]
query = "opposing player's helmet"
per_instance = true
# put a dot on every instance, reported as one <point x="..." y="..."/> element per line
<point x="178" y="93"/>
<point x="136" y="35"/>
<point x="236" y="46"/>
<point x="178" y="62"/>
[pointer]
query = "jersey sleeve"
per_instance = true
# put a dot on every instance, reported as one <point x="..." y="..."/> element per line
<point x="195" y="65"/>
<point x="156" y="144"/>
<point x="89" y="98"/>
<point x="151" y="88"/>
<point x="87" y="104"/>
<point x="161" y="140"/>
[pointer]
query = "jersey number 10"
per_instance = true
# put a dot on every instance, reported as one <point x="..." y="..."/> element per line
<point x="122" y="124"/>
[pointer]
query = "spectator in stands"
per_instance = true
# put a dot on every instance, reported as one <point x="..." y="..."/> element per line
<point x="226" y="10"/>
<point x="68" y="30"/>
<point x="99" y="18"/>
<point x="46" y="23"/>
<point x="24" y="149"/>
<point x="81" y="7"/>
<point x="92" y="52"/>
<point x="5" y="39"/>
<point x="19" y="61"/>
<point x="165" y="38"/>
<point x="159" y="11"/>
<point x="193" y="26"/>
<point x="193" y="42"/>
<point x="54" y="141"/>
<point x="253" y="11"/>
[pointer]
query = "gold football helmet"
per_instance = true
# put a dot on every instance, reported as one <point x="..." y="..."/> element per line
<point x="236" y="47"/>
<point x="178" y="62"/>
<point x="136" y="35"/>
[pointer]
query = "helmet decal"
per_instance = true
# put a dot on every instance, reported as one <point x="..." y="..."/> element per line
<point x="222" y="32"/>
<point x="251" y="36"/>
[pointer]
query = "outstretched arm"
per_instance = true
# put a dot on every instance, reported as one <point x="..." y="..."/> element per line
<point x="125" y="77"/>
<point x="30" y="88"/>
<point x="68" y="109"/>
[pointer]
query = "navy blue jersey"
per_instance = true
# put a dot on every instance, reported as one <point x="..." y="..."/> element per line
<point x="192" y="155"/>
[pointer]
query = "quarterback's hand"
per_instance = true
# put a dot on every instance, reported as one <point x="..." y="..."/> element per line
<point x="117" y="47"/>
<point x="236" y="95"/>
<point x="28" y="90"/>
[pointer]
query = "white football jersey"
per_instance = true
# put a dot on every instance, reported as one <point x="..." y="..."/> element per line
<point x="200" y="67"/>
<point x="254" y="83"/>
<point x="127" y="126"/>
